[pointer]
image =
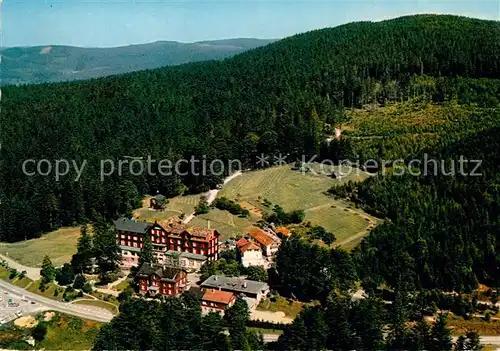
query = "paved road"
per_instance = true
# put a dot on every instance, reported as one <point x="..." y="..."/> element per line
<point x="212" y="194"/>
<point x="31" y="272"/>
<point x="83" y="311"/>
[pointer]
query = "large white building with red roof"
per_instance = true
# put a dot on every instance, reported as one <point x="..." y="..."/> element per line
<point x="250" y="253"/>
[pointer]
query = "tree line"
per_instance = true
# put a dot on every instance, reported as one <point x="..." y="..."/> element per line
<point x="263" y="101"/>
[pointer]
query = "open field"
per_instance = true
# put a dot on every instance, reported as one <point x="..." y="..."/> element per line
<point x="18" y="281"/>
<point x="175" y="207"/>
<point x="294" y="190"/>
<point x="460" y="326"/>
<point x="49" y="291"/>
<point x="69" y="333"/>
<point x="60" y="245"/>
<point x="407" y="118"/>
<point x="289" y="308"/>
<point x="225" y="223"/>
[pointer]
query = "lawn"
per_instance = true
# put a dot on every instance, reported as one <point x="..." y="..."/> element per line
<point x="225" y="223"/>
<point x="64" y="332"/>
<point x="48" y="292"/>
<point x="295" y="190"/>
<point x="175" y="207"/>
<point x="18" y="281"/>
<point x="281" y="304"/>
<point x="460" y="326"/>
<point x="69" y="333"/>
<point x="98" y="303"/>
<point x="60" y="245"/>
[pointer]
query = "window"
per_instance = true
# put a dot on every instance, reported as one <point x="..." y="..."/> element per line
<point x="163" y="240"/>
<point x="122" y="242"/>
<point x="194" y="244"/>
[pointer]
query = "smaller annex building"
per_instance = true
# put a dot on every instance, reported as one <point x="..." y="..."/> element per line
<point x="247" y="288"/>
<point x="160" y="280"/>
<point x="216" y="301"/>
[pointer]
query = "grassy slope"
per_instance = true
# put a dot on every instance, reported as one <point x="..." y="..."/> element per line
<point x="176" y="206"/>
<point x="295" y="190"/>
<point x="60" y="245"/>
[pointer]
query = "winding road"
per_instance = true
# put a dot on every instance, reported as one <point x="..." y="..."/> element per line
<point x="212" y="194"/>
<point x="94" y="313"/>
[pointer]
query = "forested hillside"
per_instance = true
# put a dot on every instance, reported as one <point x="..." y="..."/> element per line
<point x="269" y="100"/>
<point x="54" y="63"/>
<point x="443" y="233"/>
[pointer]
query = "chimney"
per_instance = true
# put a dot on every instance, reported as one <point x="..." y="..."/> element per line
<point x="245" y="284"/>
<point x="215" y="278"/>
<point x="208" y="224"/>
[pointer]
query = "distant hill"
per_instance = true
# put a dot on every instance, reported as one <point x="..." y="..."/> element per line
<point x="39" y="64"/>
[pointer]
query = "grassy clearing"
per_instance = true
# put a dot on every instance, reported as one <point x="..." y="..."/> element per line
<point x="405" y="118"/>
<point x="175" y="207"/>
<point x="265" y="331"/>
<point x="63" y="333"/>
<point x="124" y="285"/>
<point x="22" y="282"/>
<point x="460" y="326"/>
<point x="60" y="245"/>
<point x="70" y="333"/>
<point x="48" y="292"/>
<point x="281" y="304"/>
<point x="304" y="191"/>
<point x="225" y="223"/>
<point x="98" y="303"/>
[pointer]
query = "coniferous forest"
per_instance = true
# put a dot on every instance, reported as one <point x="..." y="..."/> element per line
<point x="440" y="231"/>
<point x="269" y="100"/>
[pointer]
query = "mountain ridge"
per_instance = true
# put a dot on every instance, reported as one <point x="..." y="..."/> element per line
<point x="54" y="63"/>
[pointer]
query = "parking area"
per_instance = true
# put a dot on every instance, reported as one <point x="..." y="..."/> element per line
<point x="14" y="306"/>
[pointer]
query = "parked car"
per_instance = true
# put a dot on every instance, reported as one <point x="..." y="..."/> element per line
<point x="19" y="313"/>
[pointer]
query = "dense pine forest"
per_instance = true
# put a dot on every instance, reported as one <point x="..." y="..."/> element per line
<point x="270" y="100"/>
<point x="440" y="231"/>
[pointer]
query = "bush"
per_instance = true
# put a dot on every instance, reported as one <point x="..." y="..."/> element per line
<point x="65" y="275"/>
<point x="79" y="282"/>
<point x="231" y="206"/>
<point x="38" y="333"/>
<point x="13" y="273"/>
<point x="87" y="288"/>
<point x="125" y="296"/>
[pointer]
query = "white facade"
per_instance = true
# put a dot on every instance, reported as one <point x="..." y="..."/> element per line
<point x="252" y="258"/>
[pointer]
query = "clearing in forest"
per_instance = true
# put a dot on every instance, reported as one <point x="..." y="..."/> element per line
<point x="60" y="245"/>
<point x="295" y="190"/>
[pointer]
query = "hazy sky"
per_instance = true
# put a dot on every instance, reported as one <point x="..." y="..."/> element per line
<point x="114" y="22"/>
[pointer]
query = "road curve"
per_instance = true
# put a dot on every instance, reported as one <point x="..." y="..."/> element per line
<point x="94" y="313"/>
<point x="212" y="194"/>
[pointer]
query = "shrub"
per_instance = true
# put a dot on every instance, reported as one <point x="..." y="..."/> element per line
<point x="79" y="282"/>
<point x="87" y="288"/>
<point x="38" y="333"/>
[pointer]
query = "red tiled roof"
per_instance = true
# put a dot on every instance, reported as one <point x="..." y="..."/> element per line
<point x="241" y="242"/>
<point x="219" y="296"/>
<point x="284" y="231"/>
<point x="202" y="232"/>
<point x="249" y="246"/>
<point x="260" y="236"/>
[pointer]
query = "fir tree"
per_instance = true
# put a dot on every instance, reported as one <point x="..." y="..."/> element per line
<point x="441" y="335"/>
<point x="146" y="255"/>
<point x="82" y="260"/>
<point x="48" y="272"/>
<point x="236" y="318"/>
